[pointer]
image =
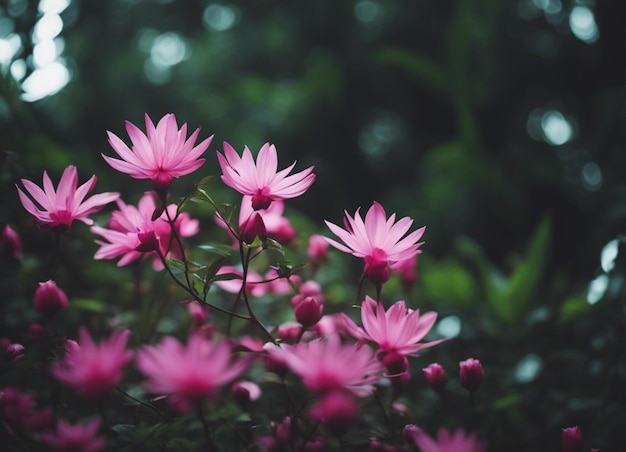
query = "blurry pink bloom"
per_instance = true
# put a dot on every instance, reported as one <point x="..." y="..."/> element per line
<point x="245" y="392"/>
<point x="49" y="298"/>
<point x="61" y="207"/>
<point x="199" y="313"/>
<point x="162" y="155"/>
<point x="329" y="365"/>
<point x="255" y="284"/>
<point x="38" y="420"/>
<point x="377" y="240"/>
<point x="279" y="439"/>
<point x="398" y="330"/>
<point x="261" y="181"/>
<point x="336" y="410"/>
<point x="10" y="242"/>
<point x="131" y="232"/>
<point x="75" y="438"/>
<point x="93" y="369"/>
<point x="310" y="288"/>
<point x="15" y="352"/>
<point x="318" y="247"/>
<point x="406" y="268"/>
<point x="14" y="406"/>
<point x="446" y="441"/>
<point x="193" y="372"/>
<point x="471" y="374"/>
<point x="280" y="286"/>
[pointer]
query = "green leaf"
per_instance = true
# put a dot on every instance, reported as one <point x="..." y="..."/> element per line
<point x="220" y="250"/>
<point x="517" y="297"/>
<point x="573" y="307"/>
<point x="87" y="304"/>
<point x="192" y="266"/>
<point x="447" y="281"/>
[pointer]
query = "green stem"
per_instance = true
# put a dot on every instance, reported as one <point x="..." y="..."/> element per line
<point x="205" y="426"/>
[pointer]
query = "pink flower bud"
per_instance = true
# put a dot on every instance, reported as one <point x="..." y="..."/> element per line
<point x="10" y="243"/>
<point x="284" y="233"/>
<point x="436" y="377"/>
<point x="245" y="392"/>
<point x="199" y="314"/>
<point x="289" y="332"/>
<point x="396" y="363"/>
<point x="15" y="352"/>
<point x="377" y="267"/>
<point x="471" y="374"/>
<point x="571" y="439"/>
<point x="4" y="344"/>
<point x="49" y="299"/>
<point x="308" y="312"/>
<point x="254" y="227"/>
<point x="318" y="247"/>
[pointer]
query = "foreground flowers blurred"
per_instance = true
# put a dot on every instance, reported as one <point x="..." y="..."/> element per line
<point x="59" y="208"/>
<point x="93" y="369"/>
<point x="261" y="181"/>
<point x="446" y="441"/>
<point x="75" y="438"/>
<point x="191" y="373"/>
<point x="378" y="240"/>
<point x="162" y="155"/>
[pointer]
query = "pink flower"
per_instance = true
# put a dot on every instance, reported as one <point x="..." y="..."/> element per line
<point x="337" y="410"/>
<point x="328" y="365"/>
<point x="261" y="181"/>
<point x="162" y="155"/>
<point x="446" y="441"/>
<point x="436" y="376"/>
<point x="10" y="242"/>
<point x="193" y="372"/>
<point x="93" y="369"/>
<point x="131" y="232"/>
<point x="61" y="207"/>
<point x="471" y="374"/>
<point x="377" y="240"/>
<point x="398" y="330"/>
<point x="255" y="284"/>
<point x="75" y="438"/>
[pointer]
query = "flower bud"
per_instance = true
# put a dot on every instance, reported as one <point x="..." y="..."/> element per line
<point x="245" y="392"/>
<point x="376" y="267"/>
<point x="49" y="299"/>
<point x="284" y="233"/>
<point x="199" y="314"/>
<point x="15" y="352"/>
<point x="571" y="439"/>
<point x="289" y="332"/>
<point x="318" y="247"/>
<point x="337" y="411"/>
<point x="436" y="377"/>
<point x="471" y="374"/>
<point x="396" y="363"/>
<point x="308" y="311"/>
<point x="10" y="243"/>
<point x="253" y="228"/>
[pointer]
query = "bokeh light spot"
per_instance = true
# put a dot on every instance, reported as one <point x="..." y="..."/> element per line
<point x="449" y="326"/>
<point x="591" y="176"/>
<point x="219" y="17"/>
<point x="608" y="255"/>
<point x="583" y="24"/>
<point x="556" y="129"/>
<point x="597" y="288"/>
<point x="528" y="368"/>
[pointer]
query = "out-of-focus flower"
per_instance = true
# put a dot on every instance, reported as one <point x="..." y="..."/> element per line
<point x="75" y="438"/>
<point x="255" y="284"/>
<point x="10" y="242"/>
<point x="378" y="240"/>
<point x="161" y="155"/>
<point x="49" y="298"/>
<point x="329" y="365"/>
<point x="318" y="247"/>
<point x="398" y="330"/>
<point x="471" y="374"/>
<point x="36" y="332"/>
<point x="245" y="392"/>
<point x="15" y="352"/>
<point x="406" y="268"/>
<point x="572" y="439"/>
<point x="308" y="288"/>
<point x="261" y="180"/>
<point x="446" y="441"/>
<point x="280" y="437"/>
<point x="436" y="377"/>
<point x="14" y="406"/>
<point x="336" y="410"/>
<point x="93" y="368"/>
<point x="131" y="232"/>
<point x="193" y="372"/>
<point x="38" y="420"/>
<point x="199" y="313"/>
<point x="58" y="209"/>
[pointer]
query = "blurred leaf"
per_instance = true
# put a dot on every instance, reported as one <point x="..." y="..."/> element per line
<point x="222" y="250"/>
<point x="447" y="281"/>
<point x="87" y="304"/>
<point x="211" y="272"/>
<point x="421" y="67"/>
<point x="516" y="298"/>
<point x="193" y="267"/>
<point x="573" y="307"/>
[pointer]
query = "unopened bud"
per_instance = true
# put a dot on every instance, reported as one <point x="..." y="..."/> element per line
<point x="318" y="247"/>
<point x="245" y="392"/>
<point x="49" y="299"/>
<point x="308" y="312"/>
<point x="199" y="314"/>
<point x="15" y="352"/>
<point x="571" y="439"/>
<point x="471" y="374"/>
<point x="253" y="228"/>
<point x="10" y="242"/>
<point x="436" y="377"/>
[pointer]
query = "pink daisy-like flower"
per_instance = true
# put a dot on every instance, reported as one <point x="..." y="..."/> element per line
<point x="398" y="330"/>
<point x="59" y="208"/>
<point x="131" y="232"/>
<point x="261" y="180"/>
<point x="191" y="373"/>
<point x="75" y="438"/>
<point x="446" y="441"/>
<point x="161" y="155"/>
<point x="377" y="240"/>
<point x="93" y="369"/>
<point x="329" y="365"/>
